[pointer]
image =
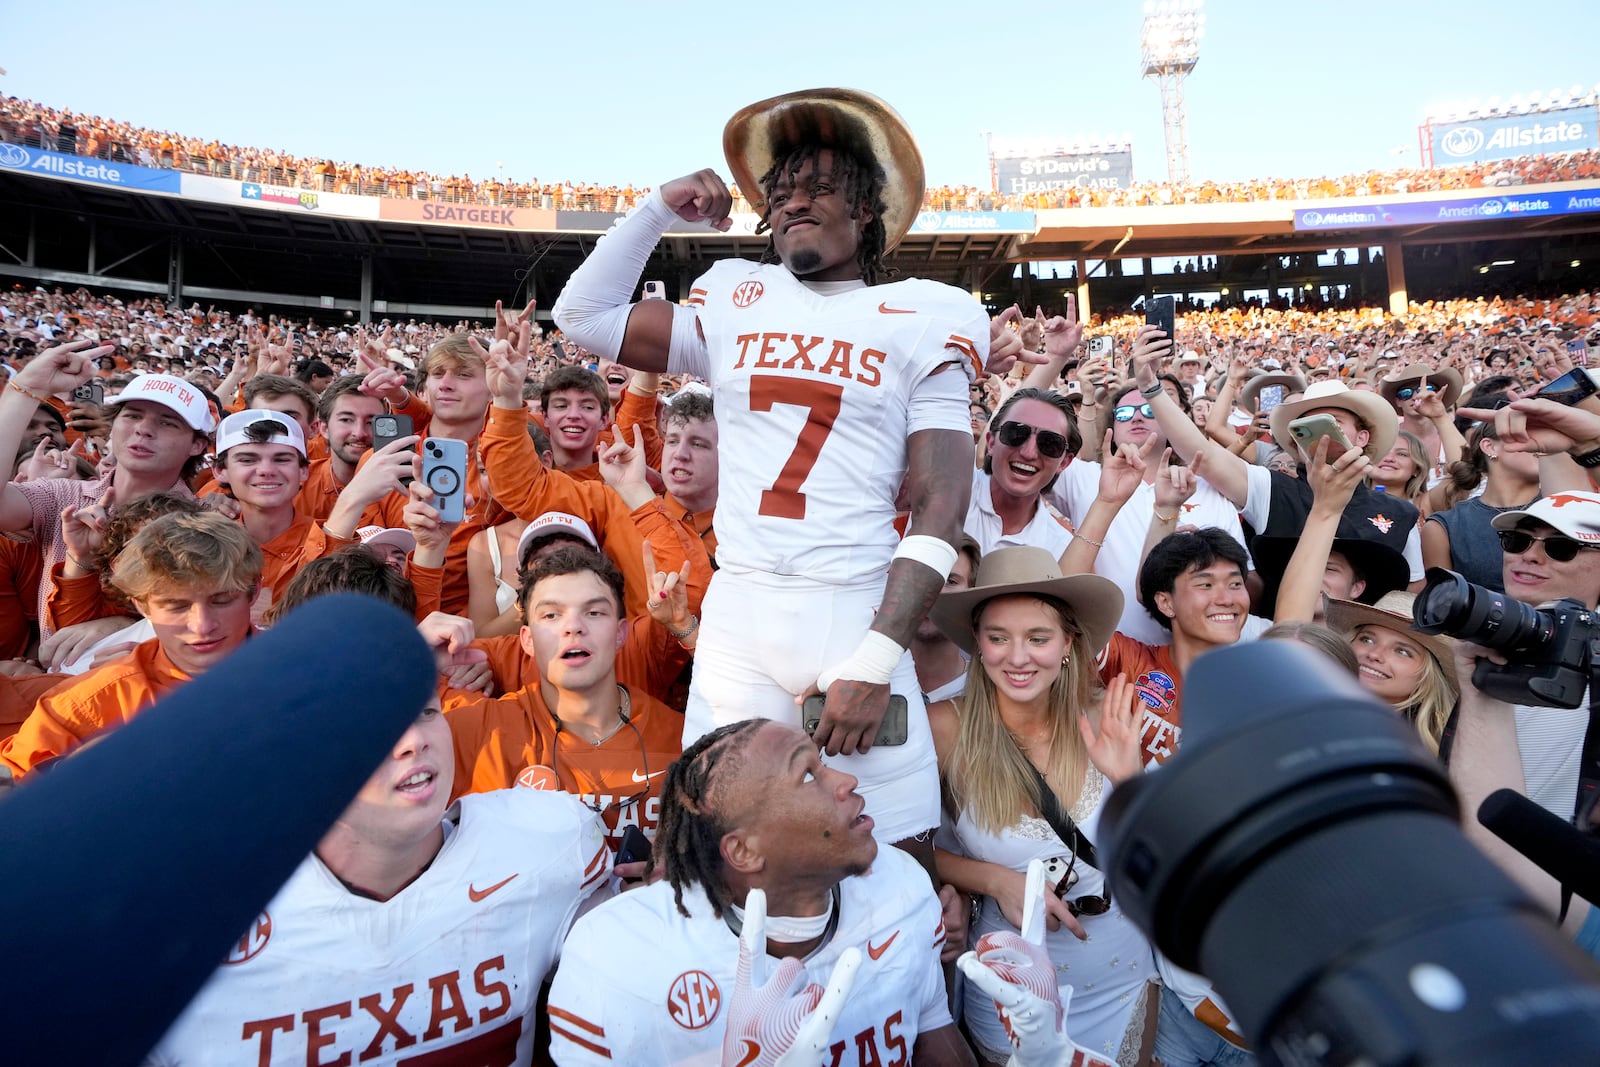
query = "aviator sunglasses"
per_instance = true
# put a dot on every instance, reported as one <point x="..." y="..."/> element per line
<point x="1560" y="549"/>
<point x="1015" y="434"/>
<point x="1126" y="412"/>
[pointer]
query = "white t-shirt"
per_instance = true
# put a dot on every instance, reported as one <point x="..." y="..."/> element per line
<point x="1045" y="530"/>
<point x="1550" y="741"/>
<point x="813" y="393"/>
<point x="1119" y="560"/>
<point x="643" y="985"/>
<point x="326" y="975"/>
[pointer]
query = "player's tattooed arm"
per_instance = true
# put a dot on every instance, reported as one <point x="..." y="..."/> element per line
<point x="938" y="488"/>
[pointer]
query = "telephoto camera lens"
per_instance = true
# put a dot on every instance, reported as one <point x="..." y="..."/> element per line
<point x="1449" y="604"/>
<point x="1303" y="851"/>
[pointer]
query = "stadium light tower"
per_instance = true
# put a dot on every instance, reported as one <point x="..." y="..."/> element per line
<point x="1170" y="47"/>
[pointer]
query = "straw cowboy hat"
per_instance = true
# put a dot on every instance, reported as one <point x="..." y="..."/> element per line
<point x="845" y="118"/>
<point x="1393" y="611"/>
<point x="1095" y="602"/>
<point x="1292" y="383"/>
<point x="1374" y="411"/>
<point x="1446" y="380"/>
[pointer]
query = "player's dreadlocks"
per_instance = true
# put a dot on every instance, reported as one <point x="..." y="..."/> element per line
<point x="688" y="842"/>
<point x="863" y="188"/>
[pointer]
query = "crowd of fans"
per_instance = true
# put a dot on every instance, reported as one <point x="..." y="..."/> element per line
<point x="36" y="125"/>
<point x="181" y="478"/>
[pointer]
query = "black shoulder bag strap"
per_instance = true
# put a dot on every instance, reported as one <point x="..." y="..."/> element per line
<point x="1062" y="823"/>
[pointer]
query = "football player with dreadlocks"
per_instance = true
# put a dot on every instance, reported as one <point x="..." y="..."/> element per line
<point x="835" y="390"/>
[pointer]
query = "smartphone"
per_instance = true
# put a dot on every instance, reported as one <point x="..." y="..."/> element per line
<point x="1162" y="312"/>
<point x="387" y="429"/>
<point x="1074" y="387"/>
<point x="655" y="290"/>
<point x="1269" y="398"/>
<point x="1575" y="389"/>
<point x="1578" y="349"/>
<point x="1309" y="430"/>
<point x="893" y="731"/>
<point x="90" y="392"/>
<point x="444" y="470"/>
<point x="1099" y="346"/>
<point x="635" y="846"/>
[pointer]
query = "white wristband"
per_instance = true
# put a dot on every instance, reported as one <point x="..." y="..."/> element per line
<point x="593" y="309"/>
<point x="933" y="552"/>
<point x="873" y="662"/>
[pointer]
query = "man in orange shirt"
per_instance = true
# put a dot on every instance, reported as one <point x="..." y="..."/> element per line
<point x="576" y="729"/>
<point x="345" y="415"/>
<point x="689" y="464"/>
<point x="194" y="577"/>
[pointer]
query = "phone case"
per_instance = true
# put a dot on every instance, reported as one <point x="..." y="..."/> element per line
<point x="1312" y="428"/>
<point x="894" y="730"/>
<point x="402" y="428"/>
<point x="444" y="470"/>
<point x="1162" y="312"/>
<point x="635" y="846"/>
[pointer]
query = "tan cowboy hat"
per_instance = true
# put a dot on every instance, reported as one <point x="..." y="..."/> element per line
<point x="1096" y="602"/>
<point x="1393" y="611"/>
<point x="1292" y="383"/>
<point x="848" y="118"/>
<point x="1447" y="380"/>
<point x="1382" y="423"/>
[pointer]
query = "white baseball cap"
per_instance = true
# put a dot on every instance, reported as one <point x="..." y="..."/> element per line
<point x="555" y="522"/>
<point x="1575" y="514"/>
<point x="233" y="429"/>
<point x="388" y="535"/>
<point x="174" y="394"/>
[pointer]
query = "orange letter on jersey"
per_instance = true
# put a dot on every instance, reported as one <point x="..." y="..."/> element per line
<point x="456" y="1010"/>
<point x="769" y="345"/>
<point x="839" y="360"/>
<point x="802" y="352"/>
<point x="494" y="989"/>
<point x="263" y="1028"/>
<point x="388" y="1021"/>
<point x="316" y="1039"/>
<point x="745" y="341"/>
<point x="870" y="374"/>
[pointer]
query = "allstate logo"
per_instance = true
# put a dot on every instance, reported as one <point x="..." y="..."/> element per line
<point x="13" y="155"/>
<point x="927" y="220"/>
<point x="1311" y="218"/>
<point x="1491" y="207"/>
<point x="1461" y="141"/>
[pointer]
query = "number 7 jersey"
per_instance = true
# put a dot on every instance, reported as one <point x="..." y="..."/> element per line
<point x="813" y="397"/>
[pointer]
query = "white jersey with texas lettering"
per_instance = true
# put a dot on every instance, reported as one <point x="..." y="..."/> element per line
<point x="812" y="397"/>
<point x="641" y="984"/>
<point x="445" y="972"/>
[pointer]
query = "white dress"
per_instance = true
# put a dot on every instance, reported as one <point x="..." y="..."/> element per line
<point x="1106" y="972"/>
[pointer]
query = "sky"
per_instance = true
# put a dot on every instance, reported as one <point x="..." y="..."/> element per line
<point x="629" y="92"/>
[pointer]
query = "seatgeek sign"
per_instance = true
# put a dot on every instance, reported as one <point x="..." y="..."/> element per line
<point x="75" y="168"/>
<point x="1573" y="129"/>
<point x="1020" y="175"/>
<point x="1583" y="200"/>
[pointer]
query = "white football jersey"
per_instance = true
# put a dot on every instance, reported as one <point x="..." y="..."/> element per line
<point x="641" y="984"/>
<point x="812" y="395"/>
<point x="446" y="972"/>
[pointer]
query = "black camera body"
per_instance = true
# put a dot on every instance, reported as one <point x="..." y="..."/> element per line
<point x="1551" y="650"/>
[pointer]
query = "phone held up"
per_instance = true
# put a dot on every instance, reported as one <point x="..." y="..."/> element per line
<point x="1162" y="312"/>
<point x="655" y="290"/>
<point x="387" y="429"/>
<point x="894" y="729"/>
<point x="90" y="392"/>
<point x="1309" y="430"/>
<point x="444" y="470"/>
<point x="1575" y="389"/>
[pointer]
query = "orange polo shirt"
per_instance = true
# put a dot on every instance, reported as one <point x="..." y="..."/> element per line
<point x="99" y="700"/>
<point x="321" y="491"/>
<point x="649" y="659"/>
<point x="513" y="741"/>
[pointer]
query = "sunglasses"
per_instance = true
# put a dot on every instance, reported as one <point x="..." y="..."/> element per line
<point x="1085" y="905"/>
<point x="1408" y="392"/>
<point x="1015" y="434"/>
<point x="1560" y="549"/>
<point x="1126" y="412"/>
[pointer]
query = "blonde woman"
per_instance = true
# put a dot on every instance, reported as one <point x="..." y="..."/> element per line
<point x="1027" y="759"/>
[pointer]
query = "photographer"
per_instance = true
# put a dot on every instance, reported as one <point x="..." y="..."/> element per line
<point x="1552" y="550"/>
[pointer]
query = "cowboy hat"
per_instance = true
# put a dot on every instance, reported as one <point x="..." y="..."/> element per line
<point x="847" y="118"/>
<point x="1095" y="602"/>
<point x="1381" y="567"/>
<point x="1446" y="380"/>
<point x="1292" y="383"/>
<point x="1381" y="422"/>
<point x="1393" y="611"/>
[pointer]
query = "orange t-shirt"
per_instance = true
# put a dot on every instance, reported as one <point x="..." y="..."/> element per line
<point x="514" y="741"/>
<point x="284" y="555"/>
<point x="100" y="700"/>
<point x="21" y="567"/>
<point x="1156" y="677"/>
<point x="321" y="491"/>
<point x="649" y="659"/>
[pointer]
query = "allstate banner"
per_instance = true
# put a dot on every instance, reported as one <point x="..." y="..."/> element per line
<point x="975" y="222"/>
<point x="45" y="164"/>
<point x="1020" y="175"/>
<point x="1478" y="208"/>
<point x="1573" y="129"/>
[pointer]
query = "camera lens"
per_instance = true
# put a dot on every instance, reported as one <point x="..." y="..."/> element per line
<point x="443" y="480"/>
<point x="1451" y="605"/>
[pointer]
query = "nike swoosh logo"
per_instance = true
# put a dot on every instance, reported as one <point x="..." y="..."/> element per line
<point x="878" y="950"/>
<point x="750" y="1054"/>
<point x="887" y="310"/>
<point x="478" y="894"/>
<point x="641" y="779"/>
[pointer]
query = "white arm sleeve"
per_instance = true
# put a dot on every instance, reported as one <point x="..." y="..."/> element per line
<point x="1257" y="498"/>
<point x="939" y="402"/>
<point x="1413" y="554"/>
<point x="593" y="309"/>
